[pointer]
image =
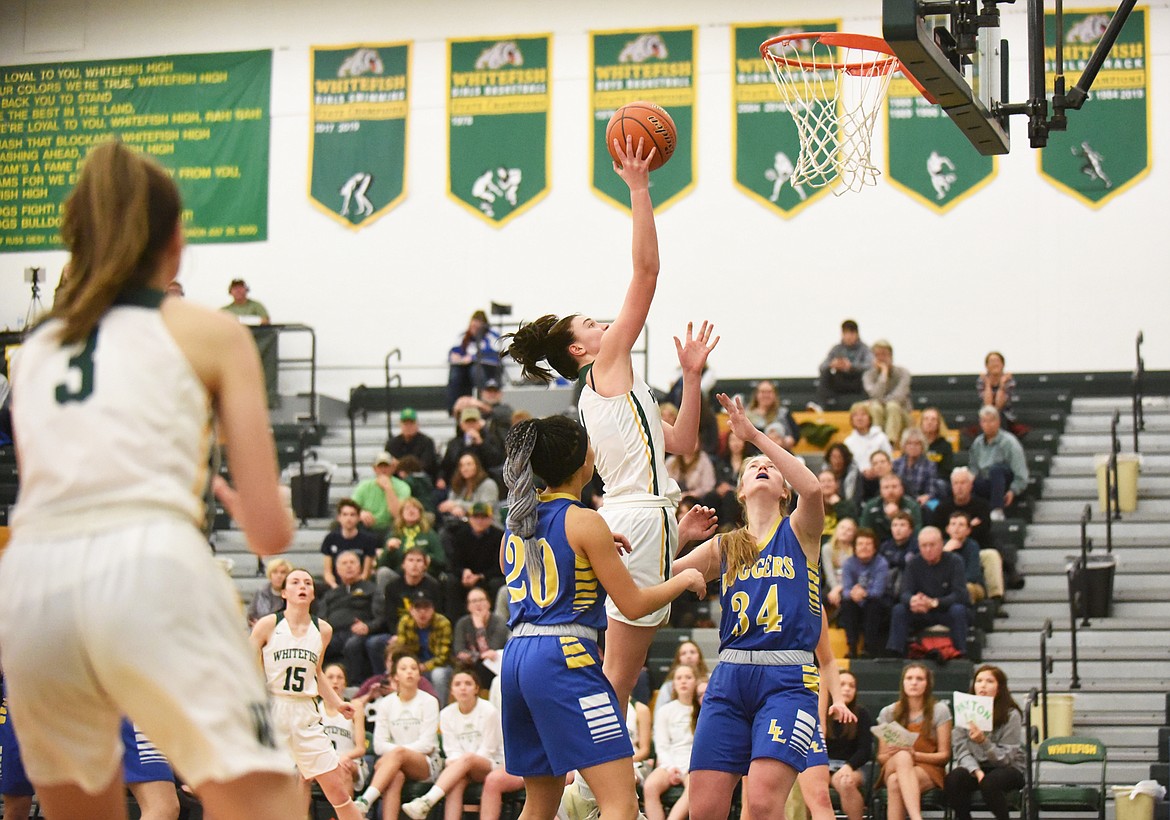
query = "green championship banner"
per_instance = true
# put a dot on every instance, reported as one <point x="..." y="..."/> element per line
<point x="927" y="156"/>
<point x="357" y="153"/>
<point x="1106" y="149"/>
<point x="766" y="144"/>
<point x="657" y="65"/>
<point x="202" y="116"/>
<point x="497" y="114"/>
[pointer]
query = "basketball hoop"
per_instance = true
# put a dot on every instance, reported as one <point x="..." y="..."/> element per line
<point x="833" y="85"/>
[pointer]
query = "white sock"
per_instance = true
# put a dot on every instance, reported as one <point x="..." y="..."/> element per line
<point x="370" y="795"/>
<point x="434" y="795"/>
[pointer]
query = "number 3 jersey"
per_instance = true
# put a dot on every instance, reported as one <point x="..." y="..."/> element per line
<point x="775" y="603"/>
<point x="113" y="429"/>
<point x="568" y="592"/>
<point x="290" y="663"/>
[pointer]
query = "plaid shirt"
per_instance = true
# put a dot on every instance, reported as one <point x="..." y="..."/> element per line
<point x="439" y="643"/>
<point x="919" y="478"/>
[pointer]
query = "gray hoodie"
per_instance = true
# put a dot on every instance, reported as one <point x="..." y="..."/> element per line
<point x="1000" y="747"/>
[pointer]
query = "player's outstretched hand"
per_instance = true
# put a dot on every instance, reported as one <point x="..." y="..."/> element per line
<point x="842" y="713"/>
<point x="696" y="583"/>
<point x="630" y="165"/>
<point x="698" y="524"/>
<point x="737" y="417"/>
<point x="692" y="354"/>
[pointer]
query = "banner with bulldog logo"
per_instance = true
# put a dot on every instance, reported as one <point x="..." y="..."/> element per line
<point x="498" y="101"/>
<point x="657" y="65"/>
<point x="766" y="146"/>
<point x="1106" y="149"/>
<point x="358" y="114"/>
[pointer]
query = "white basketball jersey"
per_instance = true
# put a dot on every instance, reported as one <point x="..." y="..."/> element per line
<point x="290" y="663"/>
<point x="626" y="432"/>
<point x="112" y="430"/>
<point x="339" y="729"/>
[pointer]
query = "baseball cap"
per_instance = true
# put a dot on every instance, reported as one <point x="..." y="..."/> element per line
<point x="421" y="598"/>
<point x="237" y="282"/>
<point x="408" y="414"/>
<point x="491" y="384"/>
<point x="383" y="458"/>
<point x="470" y="413"/>
<point x="481" y="508"/>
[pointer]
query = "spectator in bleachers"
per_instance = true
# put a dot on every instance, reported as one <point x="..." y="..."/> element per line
<point x="349" y="609"/>
<point x="839" y="459"/>
<point x="866" y="438"/>
<point x="841" y="371"/>
<point x="765" y="410"/>
<point x="892" y="499"/>
<point x="888" y="388"/>
<point x="687" y="653"/>
<point x="898" y="548"/>
<point x="989" y="762"/>
<point x="479" y="637"/>
<point x="850" y="749"/>
<point x="474" y="358"/>
<point x="837" y="508"/>
<point x="938" y="448"/>
<point x="834" y="553"/>
<point x="422" y="486"/>
<point x="268" y="598"/>
<point x="880" y="465"/>
<point x="473" y="746"/>
<point x="395" y="601"/>
<point x="978" y="510"/>
<point x="379" y="497"/>
<point x="960" y="543"/>
<point x="694" y="473"/>
<point x="348" y="735"/>
<point x="997" y="459"/>
<point x="474" y="437"/>
<point x="918" y="473"/>
<point x="996" y="388"/>
<point x="470" y="485"/>
<point x="475" y="554"/>
<point x="406" y="738"/>
<point x="908" y="771"/>
<point x="411" y="441"/>
<point x="674" y="735"/>
<point x="496" y="412"/>
<point x="727" y="467"/>
<point x="412" y="528"/>
<point x="863" y="607"/>
<point x="427" y="635"/>
<point x="990" y="561"/>
<point x="934" y="591"/>
<point x="347" y="537"/>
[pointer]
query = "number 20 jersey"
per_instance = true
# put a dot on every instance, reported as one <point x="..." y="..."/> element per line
<point x="775" y="603"/>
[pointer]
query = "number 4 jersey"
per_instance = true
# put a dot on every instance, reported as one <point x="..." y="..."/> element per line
<point x="113" y="430"/>
<point x="290" y="663"/>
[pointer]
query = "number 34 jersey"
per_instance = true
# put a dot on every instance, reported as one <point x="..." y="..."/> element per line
<point x="113" y="429"/>
<point x="290" y="663"/>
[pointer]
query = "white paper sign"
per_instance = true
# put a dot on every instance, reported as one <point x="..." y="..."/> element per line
<point x="894" y="734"/>
<point x="975" y="709"/>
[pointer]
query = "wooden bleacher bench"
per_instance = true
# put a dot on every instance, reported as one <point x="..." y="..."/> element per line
<point x="840" y="420"/>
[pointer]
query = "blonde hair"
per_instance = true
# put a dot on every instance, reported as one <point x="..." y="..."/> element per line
<point x="117" y="223"/>
<point x="739" y="547"/>
<point x="275" y="564"/>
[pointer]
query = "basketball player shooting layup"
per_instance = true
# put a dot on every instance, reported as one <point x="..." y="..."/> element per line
<point x="624" y="424"/>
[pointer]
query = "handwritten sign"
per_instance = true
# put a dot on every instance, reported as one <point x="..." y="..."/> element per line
<point x="973" y="709"/>
<point x="894" y="734"/>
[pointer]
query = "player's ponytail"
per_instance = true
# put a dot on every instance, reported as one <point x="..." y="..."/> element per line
<point x="545" y="339"/>
<point x="116" y="223"/>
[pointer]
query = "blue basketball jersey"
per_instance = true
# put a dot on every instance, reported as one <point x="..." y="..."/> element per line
<point x="774" y="604"/>
<point x="569" y="591"/>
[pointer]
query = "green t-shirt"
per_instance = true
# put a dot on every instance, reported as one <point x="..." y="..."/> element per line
<point x="250" y="308"/>
<point x="371" y="498"/>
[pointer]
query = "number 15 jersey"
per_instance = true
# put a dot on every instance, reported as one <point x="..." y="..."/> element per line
<point x="290" y="663"/>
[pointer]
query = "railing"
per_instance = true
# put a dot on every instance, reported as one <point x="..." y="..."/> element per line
<point x="1139" y="386"/>
<point x="391" y="380"/>
<point x="1082" y="593"/>
<point x="1112" y="506"/>
<point x="310" y="361"/>
<point x="1030" y="737"/>
<point x="1045" y="669"/>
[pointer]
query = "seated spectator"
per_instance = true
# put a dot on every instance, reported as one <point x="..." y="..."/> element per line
<point x="378" y="686"/>
<point x="411" y="441"/>
<point x="888" y="388"/>
<point x="834" y="553"/>
<point x="864" y="610"/>
<point x="427" y="635"/>
<point x="380" y="496"/>
<point x="349" y="609"/>
<point x="412" y="528"/>
<point x="841" y="371"/>
<point x="880" y="465"/>
<point x="934" y="591"/>
<point x="765" y="409"/>
<point x="694" y="473"/>
<point x="348" y="735"/>
<point x="908" y="771"/>
<point x="990" y="583"/>
<point x="674" y="735"/>
<point x="474" y="437"/>
<point x="479" y="637"/>
<point x="727" y="469"/>
<point x="918" y="473"/>
<point x="406" y="739"/>
<point x="473" y="359"/>
<point x="422" y="486"/>
<point x="473" y="746"/>
<point x="268" y="598"/>
<point x="689" y="654"/>
<point x="866" y="439"/>
<point x="248" y="311"/>
<point x="997" y="459"/>
<point x="781" y="433"/>
<point x="938" y="448"/>
<point x="836" y="507"/>
<point x="996" y="388"/>
<point x="898" y="548"/>
<point x="470" y="485"/>
<point x="395" y="602"/>
<point x="475" y="552"/>
<point x="878" y="512"/>
<point x="850" y="750"/>
<point x="978" y="512"/>
<point x="348" y="538"/>
<point x="991" y="763"/>
<point x="839" y="459"/>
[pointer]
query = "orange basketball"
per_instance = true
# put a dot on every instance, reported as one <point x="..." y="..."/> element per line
<point x="646" y="121"/>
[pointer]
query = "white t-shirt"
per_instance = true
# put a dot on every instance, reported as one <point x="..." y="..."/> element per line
<point x="673" y="736"/>
<point x="477" y="732"/>
<point x="413" y="723"/>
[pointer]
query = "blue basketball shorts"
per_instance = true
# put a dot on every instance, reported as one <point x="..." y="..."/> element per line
<point x="13" y="780"/>
<point x="559" y="711"/>
<point x="141" y="761"/>
<point x="756" y="711"/>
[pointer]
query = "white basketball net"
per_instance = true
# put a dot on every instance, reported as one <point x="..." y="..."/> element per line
<point x="834" y="94"/>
